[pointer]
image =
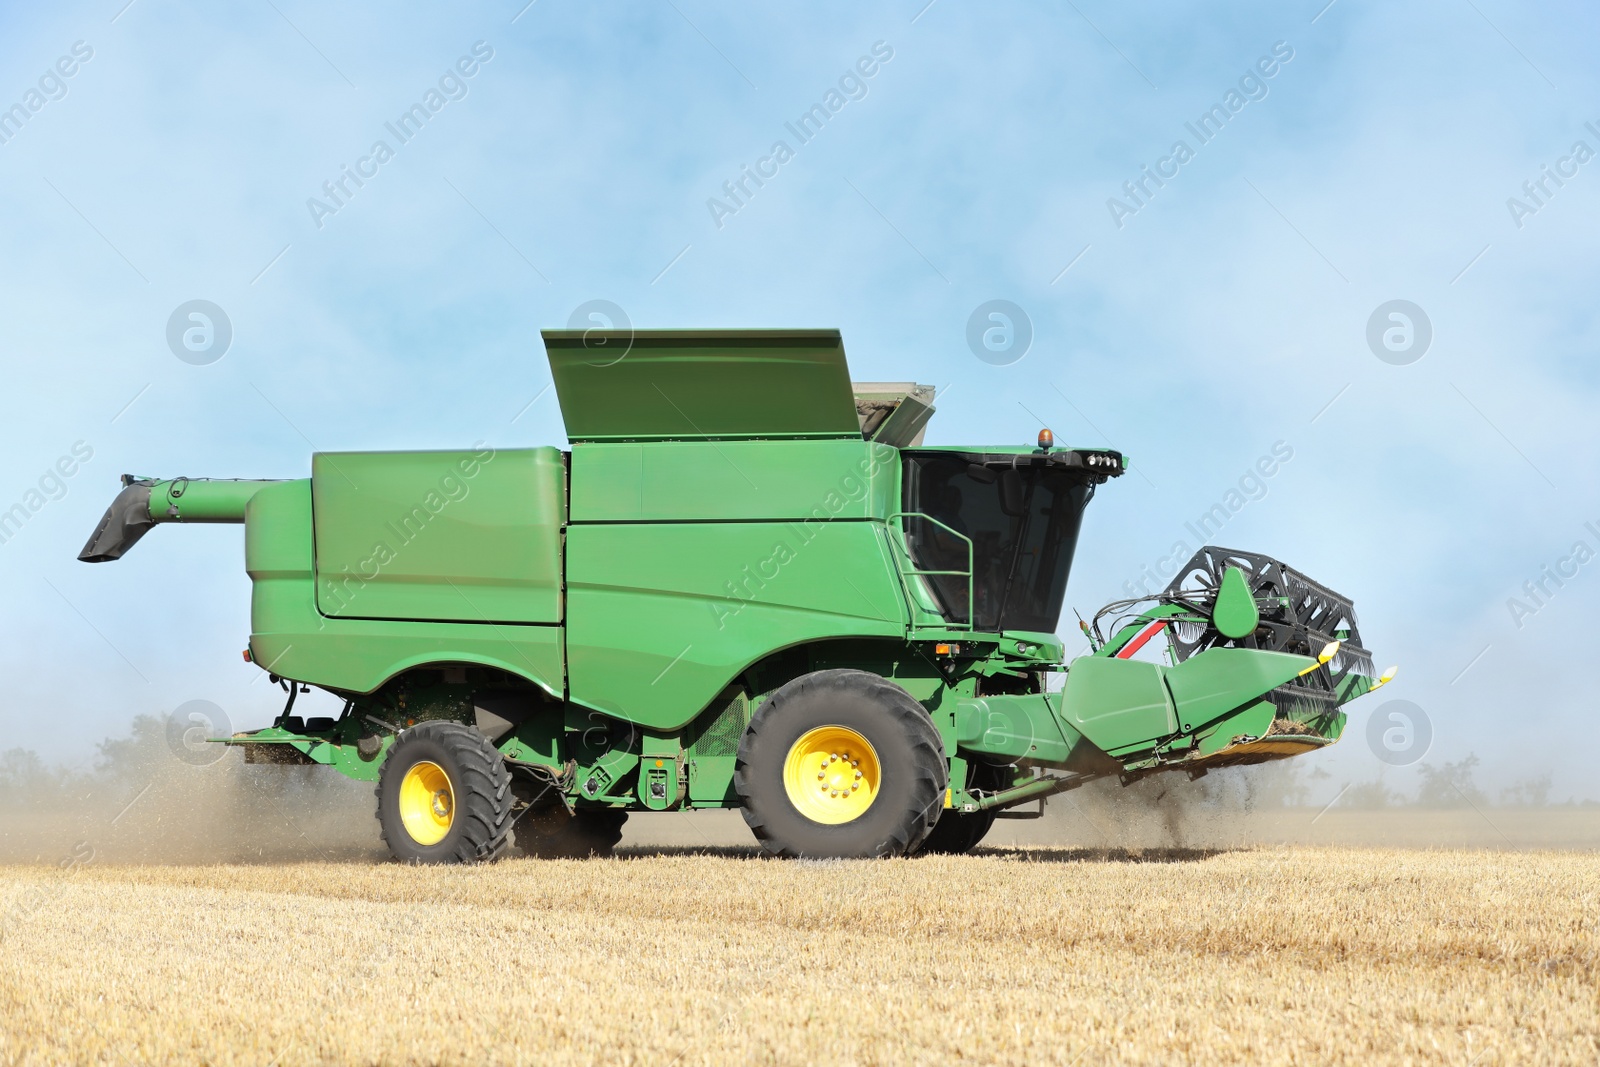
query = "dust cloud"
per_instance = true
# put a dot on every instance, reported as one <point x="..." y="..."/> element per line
<point x="153" y="808"/>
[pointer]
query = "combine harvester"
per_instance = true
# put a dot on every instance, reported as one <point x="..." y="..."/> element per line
<point x="747" y="585"/>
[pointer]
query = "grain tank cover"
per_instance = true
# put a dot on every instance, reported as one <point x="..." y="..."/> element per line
<point x="696" y="384"/>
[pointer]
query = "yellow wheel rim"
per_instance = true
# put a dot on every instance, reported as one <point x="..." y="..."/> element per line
<point x="831" y="774"/>
<point x="427" y="803"/>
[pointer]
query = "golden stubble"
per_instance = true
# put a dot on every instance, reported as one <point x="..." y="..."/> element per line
<point x="662" y="956"/>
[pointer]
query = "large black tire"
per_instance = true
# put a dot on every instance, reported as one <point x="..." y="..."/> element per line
<point x="958" y="832"/>
<point x="549" y="832"/>
<point x="478" y="800"/>
<point x="913" y="771"/>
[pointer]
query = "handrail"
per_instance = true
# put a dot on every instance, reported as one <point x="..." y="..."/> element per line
<point x="911" y="567"/>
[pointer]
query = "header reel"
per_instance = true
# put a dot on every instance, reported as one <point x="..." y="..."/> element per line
<point x="1297" y="614"/>
<point x="1226" y="598"/>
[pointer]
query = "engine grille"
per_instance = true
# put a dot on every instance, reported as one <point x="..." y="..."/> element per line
<point x="723" y="725"/>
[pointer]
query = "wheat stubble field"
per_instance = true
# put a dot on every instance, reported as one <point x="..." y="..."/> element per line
<point x="663" y="956"/>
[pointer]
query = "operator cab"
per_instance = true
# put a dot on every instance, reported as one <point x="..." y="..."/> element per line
<point x="1014" y="515"/>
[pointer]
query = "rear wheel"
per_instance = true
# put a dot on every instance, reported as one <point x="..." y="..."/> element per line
<point x="444" y="796"/>
<point x="957" y="832"/>
<point x="841" y="764"/>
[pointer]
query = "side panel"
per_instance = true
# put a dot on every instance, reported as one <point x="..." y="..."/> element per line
<point x="449" y="536"/>
<point x="1118" y="703"/>
<point x="661" y="617"/>
<point x="1218" y="680"/>
<point x="712" y="480"/>
<point x="291" y="638"/>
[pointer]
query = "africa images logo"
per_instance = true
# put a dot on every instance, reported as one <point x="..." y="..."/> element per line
<point x="1399" y="332"/>
<point x="199" y="332"/>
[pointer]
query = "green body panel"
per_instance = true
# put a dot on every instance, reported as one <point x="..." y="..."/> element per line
<point x="634" y="385"/>
<point x="1252" y="720"/>
<point x="711" y="781"/>
<point x="290" y="637"/>
<point x="683" y="481"/>
<point x="277" y="536"/>
<point x="1218" y="680"/>
<point x="538" y="739"/>
<point x="1356" y="686"/>
<point x="604" y="779"/>
<point x="1119" y="704"/>
<point x="1235" y="613"/>
<point x="449" y="536"/>
<point x="660" y="618"/>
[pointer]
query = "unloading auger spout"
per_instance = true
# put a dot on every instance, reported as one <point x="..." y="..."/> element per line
<point x="144" y="502"/>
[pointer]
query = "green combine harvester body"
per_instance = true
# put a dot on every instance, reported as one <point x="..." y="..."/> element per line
<point x="740" y="553"/>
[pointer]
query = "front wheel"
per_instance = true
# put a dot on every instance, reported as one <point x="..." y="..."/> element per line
<point x="444" y="796"/>
<point x="841" y="764"/>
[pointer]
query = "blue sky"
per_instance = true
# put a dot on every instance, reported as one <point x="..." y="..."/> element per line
<point x="1228" y="313"/>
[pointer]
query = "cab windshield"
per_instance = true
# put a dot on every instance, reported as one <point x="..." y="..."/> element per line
<point x="1021" y="521"/>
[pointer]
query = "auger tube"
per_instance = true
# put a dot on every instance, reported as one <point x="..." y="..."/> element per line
<point x="144" y="502"/>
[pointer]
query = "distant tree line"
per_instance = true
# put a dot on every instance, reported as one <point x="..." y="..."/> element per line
<point x="1452" y="785"/>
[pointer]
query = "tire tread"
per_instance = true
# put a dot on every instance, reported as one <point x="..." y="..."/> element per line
<point x="930" y="774"/>
<point x="484" y="782"/>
